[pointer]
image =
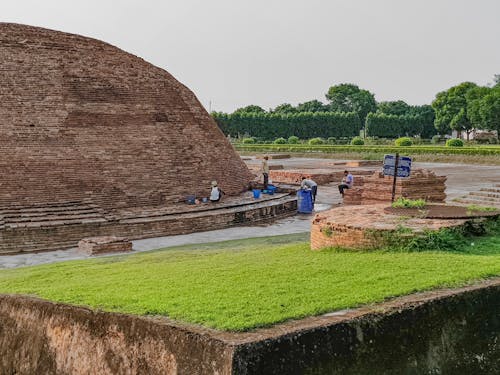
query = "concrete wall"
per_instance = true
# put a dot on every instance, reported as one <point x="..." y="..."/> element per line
<point x="441" y="332"/>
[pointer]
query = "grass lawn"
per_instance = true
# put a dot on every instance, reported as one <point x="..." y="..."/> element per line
<point x="243" y="284"/>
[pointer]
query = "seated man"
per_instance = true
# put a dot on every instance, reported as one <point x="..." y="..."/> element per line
<point x="310" y="184"/>
<point x="346" y="183"/>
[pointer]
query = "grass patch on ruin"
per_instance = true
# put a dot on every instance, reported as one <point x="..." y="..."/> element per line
<point x="244" y="284"/>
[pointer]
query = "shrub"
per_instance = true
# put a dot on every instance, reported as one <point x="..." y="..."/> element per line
<point x="280" y="141"/>
<point x="437" y="139"/>
<point x="316" y="141"/>
<point x="293" y="140"/>
<point x="332" y="140"/>
<point x="403" y="141"/>
<point x="454" y="142"/>
<point x="250" y="140"/>
<point x="409" y="203"/>
<point x="357" y="141"/>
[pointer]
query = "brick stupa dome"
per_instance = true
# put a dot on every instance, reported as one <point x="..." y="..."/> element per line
<point x="81" y="120"/>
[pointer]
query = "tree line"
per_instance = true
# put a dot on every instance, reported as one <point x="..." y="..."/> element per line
<point x="463" y="108"/>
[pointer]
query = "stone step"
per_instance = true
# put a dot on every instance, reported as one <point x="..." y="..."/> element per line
<point x="45" y="218"/>
<point x="47" y="208"/>
<point x="485" y="194"/>
<point x="24" y="214"/>
<point x="50" y="223"/>
<point x="477" y="202"/>
<point x="483" y="198"/>
<point x="491" y="190"/>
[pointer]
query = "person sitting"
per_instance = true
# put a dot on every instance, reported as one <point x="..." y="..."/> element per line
<point x="347" y="182"/>
<point x="307" y="183"/>
<point x="216" y="193"/>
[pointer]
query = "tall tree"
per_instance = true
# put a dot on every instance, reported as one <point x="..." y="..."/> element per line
<point x="451" y="109"/>
<point x="474" y="99"/>
<point x="347" y="97"/>
<point x="490" y="110"/>
<point x="284" y="108"/>
<point x="250" y="109"/>
<point x="426" y="116"/>
<point x="398" y="108"/>
<point x="312" y="106"/>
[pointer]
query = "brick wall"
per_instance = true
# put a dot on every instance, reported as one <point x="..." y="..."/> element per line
<point x="81" y="119"/>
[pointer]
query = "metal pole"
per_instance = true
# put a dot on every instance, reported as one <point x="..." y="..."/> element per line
<point x="395" y="176"/>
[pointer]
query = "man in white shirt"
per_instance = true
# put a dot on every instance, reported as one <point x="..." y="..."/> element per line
<point x="307" y="183"/>
<point x="347" y="182"/>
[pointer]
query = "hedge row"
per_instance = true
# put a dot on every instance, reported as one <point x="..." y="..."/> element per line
<point x="269" y="126"/>
<point x="391" y="126"/>
<point x="375" y="149"/>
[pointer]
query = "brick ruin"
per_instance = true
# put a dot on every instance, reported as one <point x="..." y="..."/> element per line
<point x="88" y="131"/>
<point x="377" y="188"/>
<point x="365" y="227"/>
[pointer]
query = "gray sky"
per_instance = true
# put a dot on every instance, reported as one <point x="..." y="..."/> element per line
<point x="267" y="52"/>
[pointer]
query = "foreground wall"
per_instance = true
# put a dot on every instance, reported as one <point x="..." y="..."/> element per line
<point x="448" y="332"/>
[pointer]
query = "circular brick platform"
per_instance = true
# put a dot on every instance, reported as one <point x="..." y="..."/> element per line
<point x="354" y="226"/>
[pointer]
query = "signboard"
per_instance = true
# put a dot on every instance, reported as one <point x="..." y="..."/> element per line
<point x="404" y="166"/>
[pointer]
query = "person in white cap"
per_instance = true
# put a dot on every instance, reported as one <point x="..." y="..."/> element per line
<point x="215" y="193"/>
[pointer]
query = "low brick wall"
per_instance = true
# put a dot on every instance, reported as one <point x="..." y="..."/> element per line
<point x="55" y="235"/>
<point x="320" y="176"/>
<point x="440" y="332"/>
<point x="366" y="226"/>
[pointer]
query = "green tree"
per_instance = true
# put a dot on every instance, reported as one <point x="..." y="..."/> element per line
<point x="451" y="109"/>
<point x="312" y="106"/>
<point x="284" y="108"/>
<point x="490" y="110"/>
<point x="474" y="100"/>
<point x="250" y="109"/>
<point x="347" y="97"/>
<point x="398" y="108"/>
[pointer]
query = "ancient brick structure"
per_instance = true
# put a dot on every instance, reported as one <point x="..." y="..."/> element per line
<point x="366" y="226"/>
<point x="377" y="188"/>
<point x="87" y="125"/>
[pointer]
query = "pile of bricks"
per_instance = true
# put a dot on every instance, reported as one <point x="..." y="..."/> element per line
<point x="104" y="245"/>
<point x="377" y="188"/>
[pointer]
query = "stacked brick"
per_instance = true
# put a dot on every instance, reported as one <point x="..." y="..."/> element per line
<point x="377" y="188"/>
<point x="104" y="245"/>
<point x="83" y="121"/>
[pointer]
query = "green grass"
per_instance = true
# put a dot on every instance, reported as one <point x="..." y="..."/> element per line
<point x="240" y="285"/>
<point x="409" y="203"/>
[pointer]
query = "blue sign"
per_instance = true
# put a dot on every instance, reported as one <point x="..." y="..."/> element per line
<point x="404" y="165"/>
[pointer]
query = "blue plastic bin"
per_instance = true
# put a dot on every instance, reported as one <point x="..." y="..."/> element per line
<point x="256" y="193"/>
<point x="304" y="202"/>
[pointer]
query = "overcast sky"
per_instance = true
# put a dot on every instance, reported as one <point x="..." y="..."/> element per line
<point x="234" y="53"/>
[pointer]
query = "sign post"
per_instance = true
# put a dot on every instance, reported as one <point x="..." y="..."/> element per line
<point x="395" y="176"/>
<point x="396" y="166"/>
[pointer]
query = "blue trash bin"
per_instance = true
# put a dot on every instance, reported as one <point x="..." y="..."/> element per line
<point x="304" y="202"/>
<point x="256" y="193"/>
